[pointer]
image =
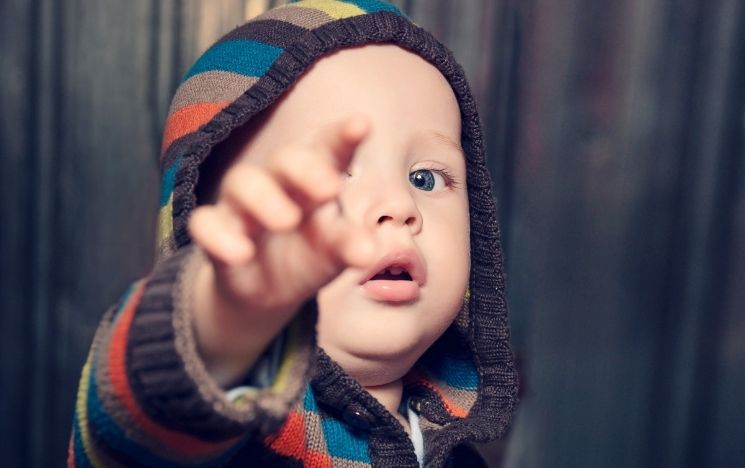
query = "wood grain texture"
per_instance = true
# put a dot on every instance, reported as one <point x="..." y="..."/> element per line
<point x="16" y="209"/>
<point x="615" y="274"/>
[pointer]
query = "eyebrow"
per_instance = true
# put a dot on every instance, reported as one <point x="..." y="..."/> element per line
<point x="445" y="139"/>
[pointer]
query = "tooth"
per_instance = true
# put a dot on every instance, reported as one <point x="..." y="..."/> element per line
<point x="396" y="270"/>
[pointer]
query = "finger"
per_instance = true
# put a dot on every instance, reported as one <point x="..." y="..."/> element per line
<point x="306" y="176"/>
<point x="257" y="194"/>
<point x="352" y="244"/>
<point x="220" y="235"/>
<point x="348" y="243"/>
<point x="341" y="139"/>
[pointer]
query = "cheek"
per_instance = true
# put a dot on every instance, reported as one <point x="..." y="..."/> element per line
<point x="332" y="292"/>
<point x="447" y="248"/>
<point x="447" y="230"/>
<point x="332" y="299"/>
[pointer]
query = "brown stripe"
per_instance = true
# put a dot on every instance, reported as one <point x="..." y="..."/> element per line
<point x="308" y="18"/>
<point x="211" y="86"/>
<point x="266" y="403"/>
<point x="269" y="31"/>
<point x="118" y="412"/>
<point x="337" y="462"/>
<point x="99" y="449"/>
<point x="314" y="437"/>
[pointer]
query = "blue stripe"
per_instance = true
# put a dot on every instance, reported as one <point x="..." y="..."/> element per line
<point x="309" y="401"/>
<point x="343" y="443"/>
<point x="124" y="299"/>
<point x="242" y="56"/>
<point x="458" y="373"/>
<point x="169" y="179"/>
<point x="374" y="6"/>
<point x="112" y="435"/>
<point x="81" y="458"/>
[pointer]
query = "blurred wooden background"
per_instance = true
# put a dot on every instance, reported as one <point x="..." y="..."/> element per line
<point x="615" y="132"/>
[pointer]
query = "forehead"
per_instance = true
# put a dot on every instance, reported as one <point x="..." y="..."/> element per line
<point x="398" y="90"/>
<point x="406" y="99"/>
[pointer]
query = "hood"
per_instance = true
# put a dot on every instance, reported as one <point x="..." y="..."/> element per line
<point x="467" y="379"/>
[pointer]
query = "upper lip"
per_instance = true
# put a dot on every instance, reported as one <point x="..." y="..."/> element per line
<point x="407" y="258"/>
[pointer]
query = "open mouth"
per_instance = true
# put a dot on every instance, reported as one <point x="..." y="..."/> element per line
<point x="393" y="273"/>
<point x="396" y="278"/>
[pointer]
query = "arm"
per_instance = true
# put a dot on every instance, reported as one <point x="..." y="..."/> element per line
<point x="153" y="388"/>
<point x="145" y="396"/>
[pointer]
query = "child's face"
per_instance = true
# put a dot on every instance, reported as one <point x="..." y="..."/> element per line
<point x="376" y="330"/>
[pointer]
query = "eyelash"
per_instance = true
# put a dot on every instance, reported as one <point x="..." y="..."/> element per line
<point x="450" y="181"/>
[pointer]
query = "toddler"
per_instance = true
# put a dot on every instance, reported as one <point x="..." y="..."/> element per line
<point x="329" y="287"/>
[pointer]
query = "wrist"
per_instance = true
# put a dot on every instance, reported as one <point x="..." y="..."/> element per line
<point x="230" y="335"/>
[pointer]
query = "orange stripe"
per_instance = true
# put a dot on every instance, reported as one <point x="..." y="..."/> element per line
<point x="290" y="440"/>
<point x="316" y="460"/>
<point x="188" y="119"/>
<point x="71" y="451"/>
<point x="177" y="441"/>
<point x="416" y="378"/>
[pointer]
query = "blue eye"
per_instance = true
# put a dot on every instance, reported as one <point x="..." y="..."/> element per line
<point x="425" y="179"/>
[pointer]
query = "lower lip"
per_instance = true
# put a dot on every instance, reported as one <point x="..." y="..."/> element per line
<point x="391" y="291"/>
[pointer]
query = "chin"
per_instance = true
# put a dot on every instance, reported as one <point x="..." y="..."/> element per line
<point x="375" y="365"/>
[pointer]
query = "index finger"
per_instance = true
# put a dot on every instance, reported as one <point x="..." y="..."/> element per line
<point x="341" y="139"/>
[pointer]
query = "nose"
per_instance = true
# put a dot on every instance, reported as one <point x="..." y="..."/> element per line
<point x="393" y="205"/>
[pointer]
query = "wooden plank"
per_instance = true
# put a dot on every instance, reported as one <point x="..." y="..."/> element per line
<point x="104" y="186"/>
<point x="44" y="133"/>
<point x="16" y="211"/>
<point x="590" y="205"/>
<point x="613" y="245"/>
<point x="727" y="413"/>
<point x="709" y="288"/>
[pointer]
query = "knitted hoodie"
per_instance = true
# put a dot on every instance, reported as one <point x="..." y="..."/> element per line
<point x="145" y="397"/>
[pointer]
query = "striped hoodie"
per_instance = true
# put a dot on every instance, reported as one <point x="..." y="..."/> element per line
<point x="145" y="398"/>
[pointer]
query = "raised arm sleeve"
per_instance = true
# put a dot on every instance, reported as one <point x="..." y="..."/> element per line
<point x="145" y="397"/>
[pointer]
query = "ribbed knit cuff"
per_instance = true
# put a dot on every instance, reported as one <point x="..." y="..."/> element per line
<point x="169" y="378"/>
